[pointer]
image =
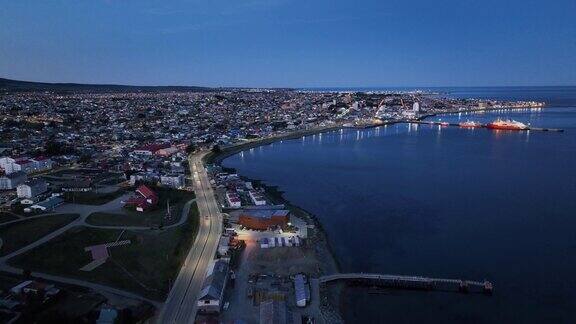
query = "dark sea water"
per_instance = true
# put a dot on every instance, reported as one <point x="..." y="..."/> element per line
<point x="445" y="202"/>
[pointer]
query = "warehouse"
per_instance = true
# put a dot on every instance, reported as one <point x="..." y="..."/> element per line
<point x="263" y="219"/>
<point x="212" y="293"/>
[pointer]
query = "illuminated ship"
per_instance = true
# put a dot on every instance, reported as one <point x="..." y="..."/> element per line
<point x="507" y="125"/>
<point x="470" y="124"/>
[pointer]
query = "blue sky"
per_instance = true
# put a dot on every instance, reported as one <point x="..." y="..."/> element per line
<point x="290" y="43"/>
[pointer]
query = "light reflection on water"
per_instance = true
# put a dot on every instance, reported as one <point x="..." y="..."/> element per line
<point x="446" y="202"/>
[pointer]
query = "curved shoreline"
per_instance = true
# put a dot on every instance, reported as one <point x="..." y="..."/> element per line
<point x="227" y="151"/>
<point x="217" y="157"/>
<point x="334" y="306"/>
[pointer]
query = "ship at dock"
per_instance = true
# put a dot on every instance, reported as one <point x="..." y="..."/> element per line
<point x="508" y="124"/>
<point x="470" y="124"/>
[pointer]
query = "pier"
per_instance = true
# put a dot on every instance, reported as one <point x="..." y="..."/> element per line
<point x="436" y="123"/>
<point x="412" y="282"/>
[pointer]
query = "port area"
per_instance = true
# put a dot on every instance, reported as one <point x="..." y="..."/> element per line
<point x="445" y="124"/>
<point x="267" y="275"/>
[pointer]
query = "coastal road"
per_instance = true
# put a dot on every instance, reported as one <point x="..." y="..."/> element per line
<point x="180" y="306"/>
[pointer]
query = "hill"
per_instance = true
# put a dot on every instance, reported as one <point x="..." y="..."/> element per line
<point x="16" y="85"/>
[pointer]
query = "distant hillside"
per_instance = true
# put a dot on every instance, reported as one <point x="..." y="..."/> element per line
<point x="16" y="85"/>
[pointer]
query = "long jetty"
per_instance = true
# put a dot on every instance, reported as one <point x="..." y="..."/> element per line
<point x="412" y="282"/>
<point x="480" y="126"/>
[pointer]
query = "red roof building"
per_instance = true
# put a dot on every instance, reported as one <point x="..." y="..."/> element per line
<point x="151" y="148"/>
<point x="264" y="219"/>
<point x="145" y="199"/>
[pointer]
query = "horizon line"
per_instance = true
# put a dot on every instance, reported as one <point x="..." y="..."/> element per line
<point x="283" y="87"/>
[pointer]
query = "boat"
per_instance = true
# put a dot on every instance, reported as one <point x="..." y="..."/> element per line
<point x="470" y="124"/>
<point x="508" y="124"/>
<point x="444" y="124"/>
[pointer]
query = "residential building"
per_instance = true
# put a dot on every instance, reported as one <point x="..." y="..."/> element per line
<point x="35" y="288"/>
<point x="166" y="152"/>
<point x="151" y="149"/>
<point x="31" y="188"/>
<point x="233" y="199"/>
<point x="42" y="164"/>
<point x="143" y="176"/>
<point x="6" y="164"/>
<point x="257" y="198"/>
<point x="144" y="199"/>
<point x="10" y="165"/>
<point x="173" y="180"/>
<point x="12" y="180"/>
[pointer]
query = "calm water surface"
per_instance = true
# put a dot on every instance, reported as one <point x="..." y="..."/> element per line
<point x="443" y="202"/>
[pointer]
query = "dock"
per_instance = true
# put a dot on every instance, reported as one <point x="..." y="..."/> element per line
<point x="412" y="282"/>
<point x="436" y="123"/>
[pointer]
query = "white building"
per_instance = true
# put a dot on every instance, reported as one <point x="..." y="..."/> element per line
<point x="6" y="164"/>
<point x="233" y="199"/>
<point x="31" y="188"/>
<point x="302" y="290"/>
<point x="416" y="107"/>
<point x="12" y="180"/>
<point x="143" y="176"/>
<point x="173" y="180"/>
<point x="256" y="198"/>
<point x="10" y="165"/>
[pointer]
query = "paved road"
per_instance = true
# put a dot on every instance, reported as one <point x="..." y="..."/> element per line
<point x="180" y="307"/>
<point x="182" y="220"/>
<point x="82" y="283"/>
<point x="84" y="211"/>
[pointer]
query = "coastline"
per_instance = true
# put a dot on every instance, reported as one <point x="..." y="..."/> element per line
<point x="218" y="157"/>
<point x="331" y="303"/>
<point x="227" y="151"/>
<point x="317" y="237"/>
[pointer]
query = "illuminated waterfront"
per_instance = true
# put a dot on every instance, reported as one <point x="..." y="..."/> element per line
<point x="442" y="201"/>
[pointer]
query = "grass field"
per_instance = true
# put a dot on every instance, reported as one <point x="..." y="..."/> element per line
<point x="92" y="198"/>
<point x="153" y="217"/>
<point x="147" y="266"/>
<point x="18" y="235"/>
<point x="5" y="217"/>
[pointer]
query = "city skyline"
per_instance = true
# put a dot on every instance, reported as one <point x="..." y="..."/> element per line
<point x="287" y="44"/>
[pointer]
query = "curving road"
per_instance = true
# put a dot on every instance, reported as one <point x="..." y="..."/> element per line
<point x="180" y="306"/>
<point x="84" y="211"/>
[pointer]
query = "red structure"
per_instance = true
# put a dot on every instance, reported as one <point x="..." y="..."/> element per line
<point x="263" y="219"/>
<point x="145" y="199"/>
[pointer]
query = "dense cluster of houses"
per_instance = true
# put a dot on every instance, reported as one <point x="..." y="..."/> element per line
<point x="148" y="135"/>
